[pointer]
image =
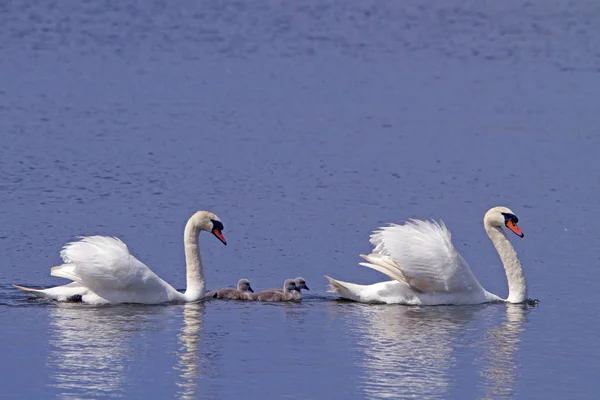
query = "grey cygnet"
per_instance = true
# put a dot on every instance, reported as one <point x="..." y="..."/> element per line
<point x="243" y="292"/>
<point x="290" y="292"/>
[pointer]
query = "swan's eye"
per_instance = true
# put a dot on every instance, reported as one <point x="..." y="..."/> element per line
<point x="510" y="217"/>
<point x="217" y="225"/>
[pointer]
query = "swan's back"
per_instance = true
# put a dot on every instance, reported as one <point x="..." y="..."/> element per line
<point x="421" y="254"/>
<point x="105" y="266"/>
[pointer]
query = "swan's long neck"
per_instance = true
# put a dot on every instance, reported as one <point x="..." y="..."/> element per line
<point x="517" y="286"/>
<point x="195" y="271"/>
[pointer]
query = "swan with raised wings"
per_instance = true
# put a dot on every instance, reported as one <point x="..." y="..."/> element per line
<point x="427" y="269"/>
<point x="103" y="270"/>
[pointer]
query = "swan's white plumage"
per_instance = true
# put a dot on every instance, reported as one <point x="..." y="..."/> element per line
<point x="421" y="253"/>
<point x="105" y="266"/>
<point x="104" y="271"/>
<point x="427" y="269"/>
<point x="60" y="293"/>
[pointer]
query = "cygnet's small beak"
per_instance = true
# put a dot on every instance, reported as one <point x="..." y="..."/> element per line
<point x="219" y="236"/>
<point x="305" y="287"/>
<point x="250" y="289"/>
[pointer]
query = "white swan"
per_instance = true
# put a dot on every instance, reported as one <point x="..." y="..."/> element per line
<point x="103" y="271"/>
<point x="427" y="269"/>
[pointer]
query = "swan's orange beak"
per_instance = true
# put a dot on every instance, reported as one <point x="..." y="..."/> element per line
<point x="510" y="224"/>
<point x="219" y="235"/>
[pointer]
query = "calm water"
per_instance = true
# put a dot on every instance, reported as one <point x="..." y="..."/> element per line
<point x="303" y="127"/>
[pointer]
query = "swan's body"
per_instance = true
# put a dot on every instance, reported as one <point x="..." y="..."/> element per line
<point x="427" y="269"/>
<point x="243" y="292"/>
<point x="300" y="284"/>
<point x="103" y="271"/>
<point x="289" y="293"/>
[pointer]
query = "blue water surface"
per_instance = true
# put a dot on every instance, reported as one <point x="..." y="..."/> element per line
<point x="304" y="126"/>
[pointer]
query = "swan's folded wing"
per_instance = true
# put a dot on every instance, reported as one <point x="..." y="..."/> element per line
<point x="104" y="263"/>
<point x="421" y="254"/>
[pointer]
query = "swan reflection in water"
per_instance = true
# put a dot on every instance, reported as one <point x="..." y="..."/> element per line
<point x="413" y="351"/>
<point x="90" y="347"/>
<point x="189" y="361"/>
<point x="408" y="351"/>
<point x="499" y="362"/>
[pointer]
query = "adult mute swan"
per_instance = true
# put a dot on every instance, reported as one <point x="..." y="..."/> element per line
<point x="427" y="269"/>
<point x="103" y="271"/>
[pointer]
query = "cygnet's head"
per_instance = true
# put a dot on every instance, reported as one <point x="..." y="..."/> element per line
<point x="289" y="286"/>
<point x="209" y="222"/>
<point x="244" y="285"/>
<point x="503" y="216"/>
<point x="300" y="283"/>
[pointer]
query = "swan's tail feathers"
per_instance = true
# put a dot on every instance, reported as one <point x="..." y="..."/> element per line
<point x="66" y="271"/>
<point x="344" y="289"/>
<point x="334" y="286"/>
<point x="35" y="292"/>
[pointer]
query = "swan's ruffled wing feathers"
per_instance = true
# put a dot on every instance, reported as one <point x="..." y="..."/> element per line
<point x="66" y="271"/>
<point x="421" y="254"/>
<point x="386" y="265"/>
<point x="103" y="264"/>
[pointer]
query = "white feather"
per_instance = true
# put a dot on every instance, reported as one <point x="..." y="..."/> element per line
<point x="422" y="253"/>
<point x="105" y="266"/>
<point x="426" y="268"/>
<point x="104" y="271"/>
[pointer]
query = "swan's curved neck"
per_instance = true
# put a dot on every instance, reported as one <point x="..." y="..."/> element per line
<point x="195" y="271"/>
<point x="517" y="286"/>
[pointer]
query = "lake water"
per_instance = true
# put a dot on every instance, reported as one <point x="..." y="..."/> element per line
<point x="304" y="126"/>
